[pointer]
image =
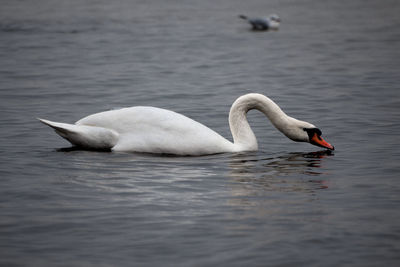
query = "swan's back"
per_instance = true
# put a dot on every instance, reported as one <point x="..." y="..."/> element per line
<point x="156" y="130"/>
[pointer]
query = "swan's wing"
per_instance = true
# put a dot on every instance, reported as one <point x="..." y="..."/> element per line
<point x="155" y="130"/>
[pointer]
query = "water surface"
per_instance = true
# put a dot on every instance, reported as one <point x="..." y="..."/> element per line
<point x="334" y="64"/>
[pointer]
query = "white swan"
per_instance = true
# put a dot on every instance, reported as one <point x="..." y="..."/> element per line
<point x="271" y="22"/>
<point x="155" y="130"/>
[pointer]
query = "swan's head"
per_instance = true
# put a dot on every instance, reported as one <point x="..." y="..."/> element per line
<point x="302" y="131"/>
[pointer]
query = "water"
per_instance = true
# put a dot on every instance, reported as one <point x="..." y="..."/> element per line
<point x="333" y="63"/>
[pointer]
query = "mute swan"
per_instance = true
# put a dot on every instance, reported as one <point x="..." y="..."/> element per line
<point x="271" y="22"/>
<point x="155" y="130"/>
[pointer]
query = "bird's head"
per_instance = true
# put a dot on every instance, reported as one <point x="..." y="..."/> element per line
<point x="275" y="18"/>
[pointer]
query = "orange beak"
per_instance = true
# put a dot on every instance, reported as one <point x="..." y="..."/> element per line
<point x="318" y="141"/>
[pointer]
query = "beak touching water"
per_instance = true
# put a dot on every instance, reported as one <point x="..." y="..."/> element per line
<point x="319" y="141"/>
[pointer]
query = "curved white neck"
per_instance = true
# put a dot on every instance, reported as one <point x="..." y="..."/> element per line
<point x="244" y="137"/>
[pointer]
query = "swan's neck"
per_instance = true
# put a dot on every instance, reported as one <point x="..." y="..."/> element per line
<point x="243" y="136"/>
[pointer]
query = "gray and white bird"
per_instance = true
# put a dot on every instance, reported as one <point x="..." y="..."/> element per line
<point x="270" y="23"/>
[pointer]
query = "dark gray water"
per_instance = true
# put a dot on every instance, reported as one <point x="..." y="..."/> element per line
<point x="333" y="63"/>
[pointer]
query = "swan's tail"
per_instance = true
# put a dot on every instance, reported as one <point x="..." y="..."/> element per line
<point x="90" y="137"/>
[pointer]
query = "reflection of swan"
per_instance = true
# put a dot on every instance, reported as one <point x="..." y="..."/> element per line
<point x="155" y="130"/>
<point x="282" y="173"/>
<point x="280" y="166"/>
<point x="263" y="24"/>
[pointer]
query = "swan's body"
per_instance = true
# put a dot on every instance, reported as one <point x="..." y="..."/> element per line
<point x="271" y="22"/>
<point x="155" y="130"/>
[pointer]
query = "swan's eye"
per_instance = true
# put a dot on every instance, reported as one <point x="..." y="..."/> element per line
<point x="311" y="131"/>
